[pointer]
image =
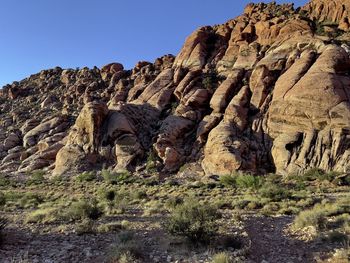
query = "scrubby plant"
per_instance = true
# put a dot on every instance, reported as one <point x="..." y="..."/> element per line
<point x="4" y="181"/>
<point x="211" y="79"/>
<point x="151" y="164"/>
<point x="86" y="177"/>
<point x="173" y="202"/>
<point x="319" y="215"/>
<point x="30" y="200"/>
<point x="109" y="227"/>
<point x="222" y="257"/>
<point x="117" y="177"/>
<point x="2" y="199"/>
<point x="248" y="181"/>
<point x="228" y="180"/>
<point x="127" y="249"/>
<point x="36" y="178"/>
<point x="87" y="226"/>
<point x="274" y="192"/>
<point x="84" y="209"/>
<point x="193" y="220"/>
<point x="3" y="224"/>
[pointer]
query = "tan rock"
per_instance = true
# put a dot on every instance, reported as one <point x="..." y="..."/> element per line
<point x="224" y="93"/>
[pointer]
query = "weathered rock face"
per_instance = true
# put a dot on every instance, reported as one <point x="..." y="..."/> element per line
<point x="329" y="10"/>
<point x="81" y="149"/>
<point x="268" y="91"/>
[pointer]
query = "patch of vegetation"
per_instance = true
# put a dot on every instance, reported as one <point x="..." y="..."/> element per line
<point x="117" y="177"/>
<point x="109" y="227"/>
<point x="84" y="209"/>
<point x="36" y="178"/>
<point x="210" y="79"/>
<point x="328" y="28"/>
<point x="274" y="192"/>
<point x="3" y="224"/>
<point x="2" y="199"/>
<point x="330" y="219"/>
<point x="87" y="226"/>
<point x="86" y="177"/>
<point x="151" y="164"/>
<point x="243" y="181"/>
<point x="127" y="249"/>
<point x="222" y="257"/>
<point x="193" y="220"/>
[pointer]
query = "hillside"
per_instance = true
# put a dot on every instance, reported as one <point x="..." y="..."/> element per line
<point x="244" y="95"/>
<point x="251" y="119"/>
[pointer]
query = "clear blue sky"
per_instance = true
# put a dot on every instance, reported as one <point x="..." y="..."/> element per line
<point x="40" y="34"/>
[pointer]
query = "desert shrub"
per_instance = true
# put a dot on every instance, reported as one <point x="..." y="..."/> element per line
<point x="86" y="177"/>
<point x="274" y="192"/>
<point x="151" y="164"/>
<point x="87" y="226"/>
<point x="317" y="174"/>
<point x="30" y="200"/>
<point x="2" y="199"/>
<point x="36" y="178"/>
<point x="195" y="221"/>
<point x="228" y="180"/>
<point x="338" y="237"/>
<point x="84" y="209"/>
<point x="3" y="224"/>
<point x="5" y="181"/>
<point x="248" y="181"/>
<point x="109" y="227"/>
<point x="153" y="207"/>
<point x="140" y="194"/>
<point x="243" y="181"/>
<point x="117" y="177"/>
<point x="109" y="195"/>
<point x="318" y="215"/>
<point x="222" y="257"/>
<point x="43" y="215"/>
<point x="127" y="248"/>
<point x="173" y="202"/>
<point x="210" y="79"/>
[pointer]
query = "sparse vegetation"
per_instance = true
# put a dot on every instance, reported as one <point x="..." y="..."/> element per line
<point x="36" y="178"/>
<point x="195" y="221"/>
<point x="117" y="177"/>
<point x="222" y="257"/>
<point x="86" y="177"/>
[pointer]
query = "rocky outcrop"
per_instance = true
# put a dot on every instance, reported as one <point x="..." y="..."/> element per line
<point x="267" y="91"/>
<point x="329" y="10"/>
<point x="81" y="149"/>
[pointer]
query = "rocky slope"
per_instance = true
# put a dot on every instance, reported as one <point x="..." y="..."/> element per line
<point x="268" y="91"/>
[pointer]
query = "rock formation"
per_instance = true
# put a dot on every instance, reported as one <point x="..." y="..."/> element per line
<point x="268" y="91"/>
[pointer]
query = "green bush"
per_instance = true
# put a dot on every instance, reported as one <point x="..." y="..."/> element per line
<point x="228" y="180"/>
<point x="84" y="209"/>
<point x="210" y="79"/>
<point x="151" y="164"/>
<point x="36" y="178"/>
<point x="193" y="220"/>
<point x="274" y="192"/>
<point x="117" y="177"/>
<point x="4" y="181"/>
<point x="319" y="216"/>
<point x="30" y="200"/>
<point x="2" y="199"/>
<point x="222" y="257"/>
<point x="318" y="174"/>
<point x="248" y="181"/>
<point x="243" y="181"/>
<point x="127" y="249"/>
<point x="86" y="177"/>
<point x="3" y="224"/>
